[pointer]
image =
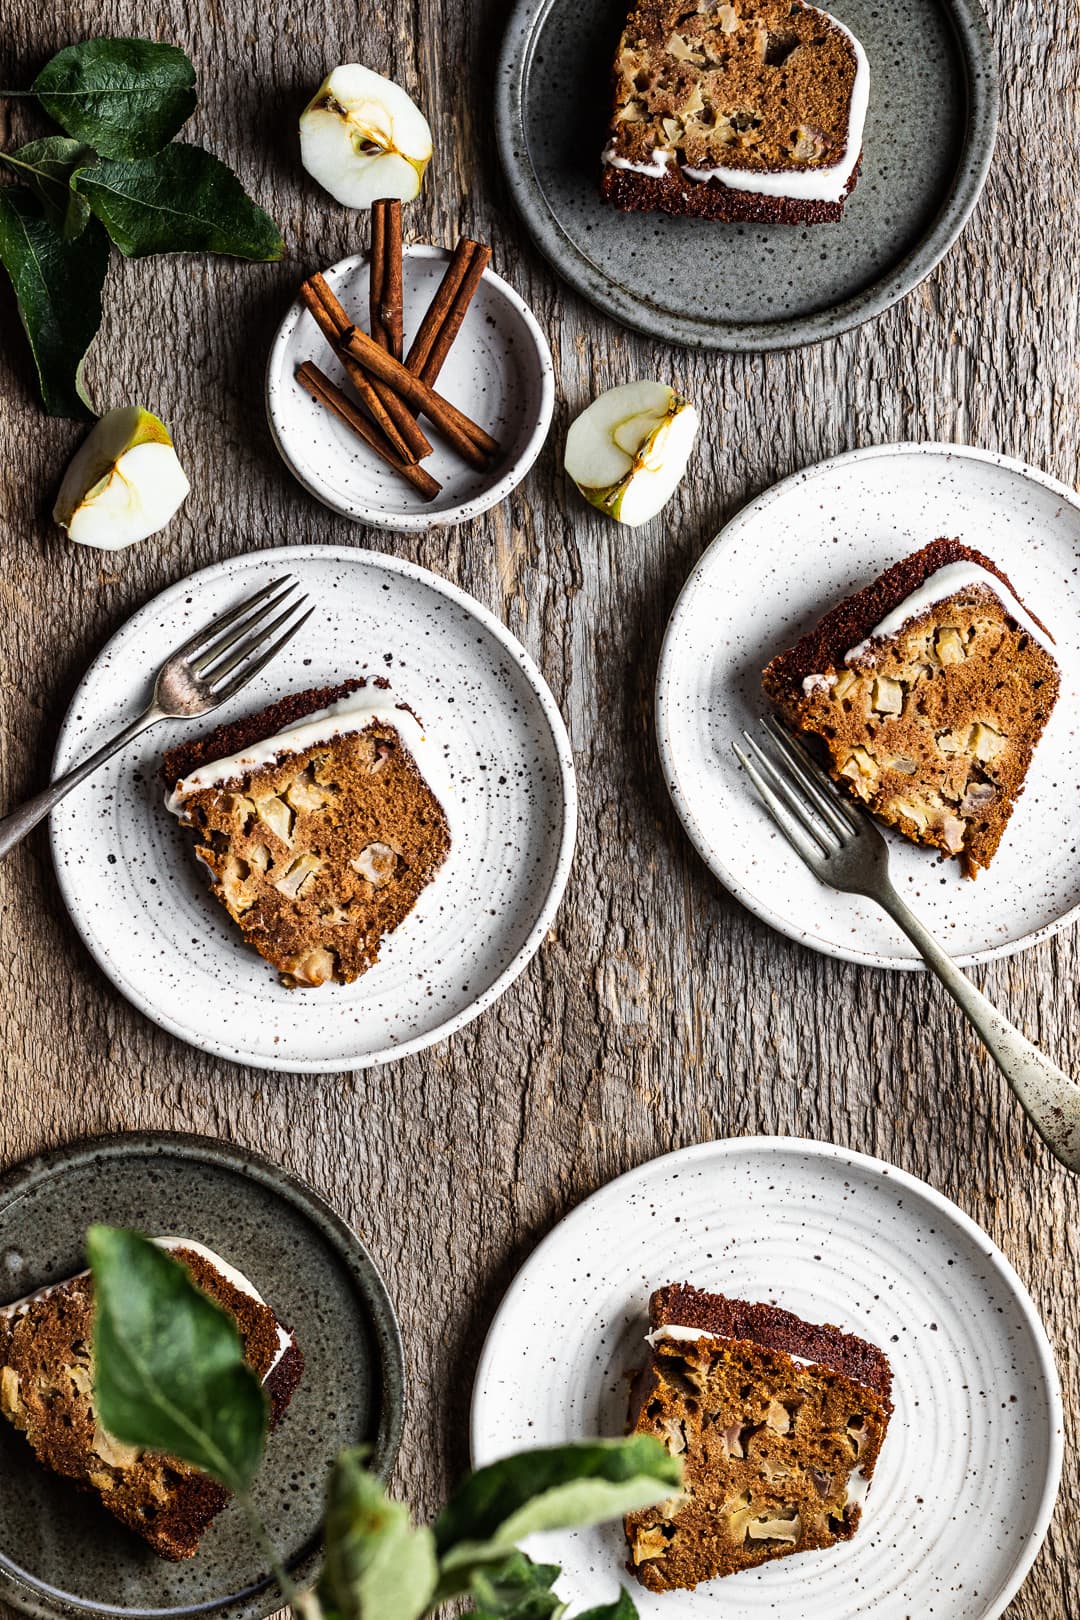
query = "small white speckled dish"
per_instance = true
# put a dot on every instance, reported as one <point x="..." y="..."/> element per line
<point x="767" y="578"/>
<point x="498" y="371"/>
<point x="141" y="902"/>
<point x="967" y="1478"/>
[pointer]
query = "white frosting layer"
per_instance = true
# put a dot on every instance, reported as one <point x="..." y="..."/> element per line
<point x="938" y="587"/>
<point x="353" y="713"/>
<point x="656" y="169"/>
<point x="241" y="1283"/>
<point x="826" y="184"/>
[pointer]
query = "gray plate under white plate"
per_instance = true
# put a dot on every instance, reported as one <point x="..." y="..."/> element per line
<point x="62" y="1556"/>
<point x="928" y="143"/>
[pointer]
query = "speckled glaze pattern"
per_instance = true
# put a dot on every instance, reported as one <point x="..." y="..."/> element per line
<point x="142" y="904"/>
<point x="61" y="1553"/>
<point x="967" y="1478"/>
<point x="928" y="143"/>
<point x="768" y="577"/>
<point x="499" y="372"/>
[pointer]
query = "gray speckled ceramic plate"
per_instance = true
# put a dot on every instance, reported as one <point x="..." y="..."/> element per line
<point x="61" y="1554"/>
<point x="780" y="563"/>
<point x="499" y="372"/>
<point x="928" y="143"/>
<point x="142" y="904"/>
<point x="968" y="1475"/>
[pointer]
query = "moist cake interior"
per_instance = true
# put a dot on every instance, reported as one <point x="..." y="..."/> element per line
<point x="758" y="87"/>
<point x="778" y="1453"/>
<point x="46" y="1391"/>
<point x="321" y="850"/>
<point x="932" y="726"/>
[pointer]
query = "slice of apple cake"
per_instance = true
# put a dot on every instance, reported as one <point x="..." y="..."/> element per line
<point x="316" y="824"/>
<point x="736" y="110"/>
<point x="47" y="1391"/>
<point x="779" y="1424"/>
<point x="928" y="692"/>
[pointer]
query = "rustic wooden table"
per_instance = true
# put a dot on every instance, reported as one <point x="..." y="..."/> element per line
<point x="658" y="1013"/>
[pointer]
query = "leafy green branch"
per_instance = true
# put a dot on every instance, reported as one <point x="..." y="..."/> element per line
<point x="170" y="1376"/>
<point x="113" y="175"/>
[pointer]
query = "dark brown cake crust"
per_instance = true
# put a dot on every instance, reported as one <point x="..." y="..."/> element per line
<point x="686" y="1306"/>
<point x="236" y="735"/>
<point x="675" y="193"/>
<point x="852" y="620"/>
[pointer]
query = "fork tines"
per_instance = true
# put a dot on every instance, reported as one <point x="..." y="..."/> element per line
<point x="246" y="633"/>
<point x="799" y="796"/>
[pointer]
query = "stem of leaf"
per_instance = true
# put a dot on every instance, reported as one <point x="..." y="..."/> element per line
<point x="288" y="1589"/>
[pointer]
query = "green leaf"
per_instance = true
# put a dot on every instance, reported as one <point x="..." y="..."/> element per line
<point x="553" y="1489"/>
<point x="169" y="1368"/>
<point x="58" y="285"/>
<point x="378" y="1566"/>
<point x="516" y="1589"/>
<point x="181" y="201"/>
<point x="46" y="167"/>
<point x="624" y="1608"/>
<point x="124" y="97"/>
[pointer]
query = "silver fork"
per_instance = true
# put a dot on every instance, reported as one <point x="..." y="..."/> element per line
<point x="193" y="680"/>
<point x="843" y="848"/>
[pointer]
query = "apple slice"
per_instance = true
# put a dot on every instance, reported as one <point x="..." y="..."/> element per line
<point x="627" y="452"/>
<point x="124" y="482"/>
<point x="362" y="138"/>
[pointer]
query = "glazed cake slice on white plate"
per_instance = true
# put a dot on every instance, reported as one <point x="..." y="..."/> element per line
<point x="736" y="110"/>
<point x="779" y="1423"/>
<point x="317" y="824"/>
<point x="927" y="693"/>
<point x="47" y="1392"/>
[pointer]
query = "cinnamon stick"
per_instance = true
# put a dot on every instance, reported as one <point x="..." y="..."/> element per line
<point x="358" y="377"/>
<point x="395" y="407"/>
<point x="376" y="275"/>
<point x="386" y="299"/>
<point x="448" y="307"/>
<point x="470" y="441"/>
<point x="439" y="308"/>
<point x="319" y="385"/>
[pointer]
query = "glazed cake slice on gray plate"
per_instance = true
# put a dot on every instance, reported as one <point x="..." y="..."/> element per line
<point x="736" y="110"/>
<point x="47" y="1392"/>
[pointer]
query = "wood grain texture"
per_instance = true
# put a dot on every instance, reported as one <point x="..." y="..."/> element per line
<point x="658" y="1013"/>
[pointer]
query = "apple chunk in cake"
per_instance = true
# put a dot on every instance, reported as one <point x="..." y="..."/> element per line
<point x="317" y="826"/>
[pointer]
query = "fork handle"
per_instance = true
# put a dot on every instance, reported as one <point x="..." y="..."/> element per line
<point x="14" y="827"/>
<point x="1049" y="1098"/>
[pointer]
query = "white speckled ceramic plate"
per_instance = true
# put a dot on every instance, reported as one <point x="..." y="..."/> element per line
<point x="499" y="372"/>
<point x="967" y="1478"/>
<point x="141" y="902"/>
<point x="766" y="579"/>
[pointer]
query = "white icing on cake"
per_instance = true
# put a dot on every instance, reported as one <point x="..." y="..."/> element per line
<point x="938" y="587"/>
<point x="242" y="1284"/>
<point x="353" y="713"/>
<point x="826" y="184"/>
